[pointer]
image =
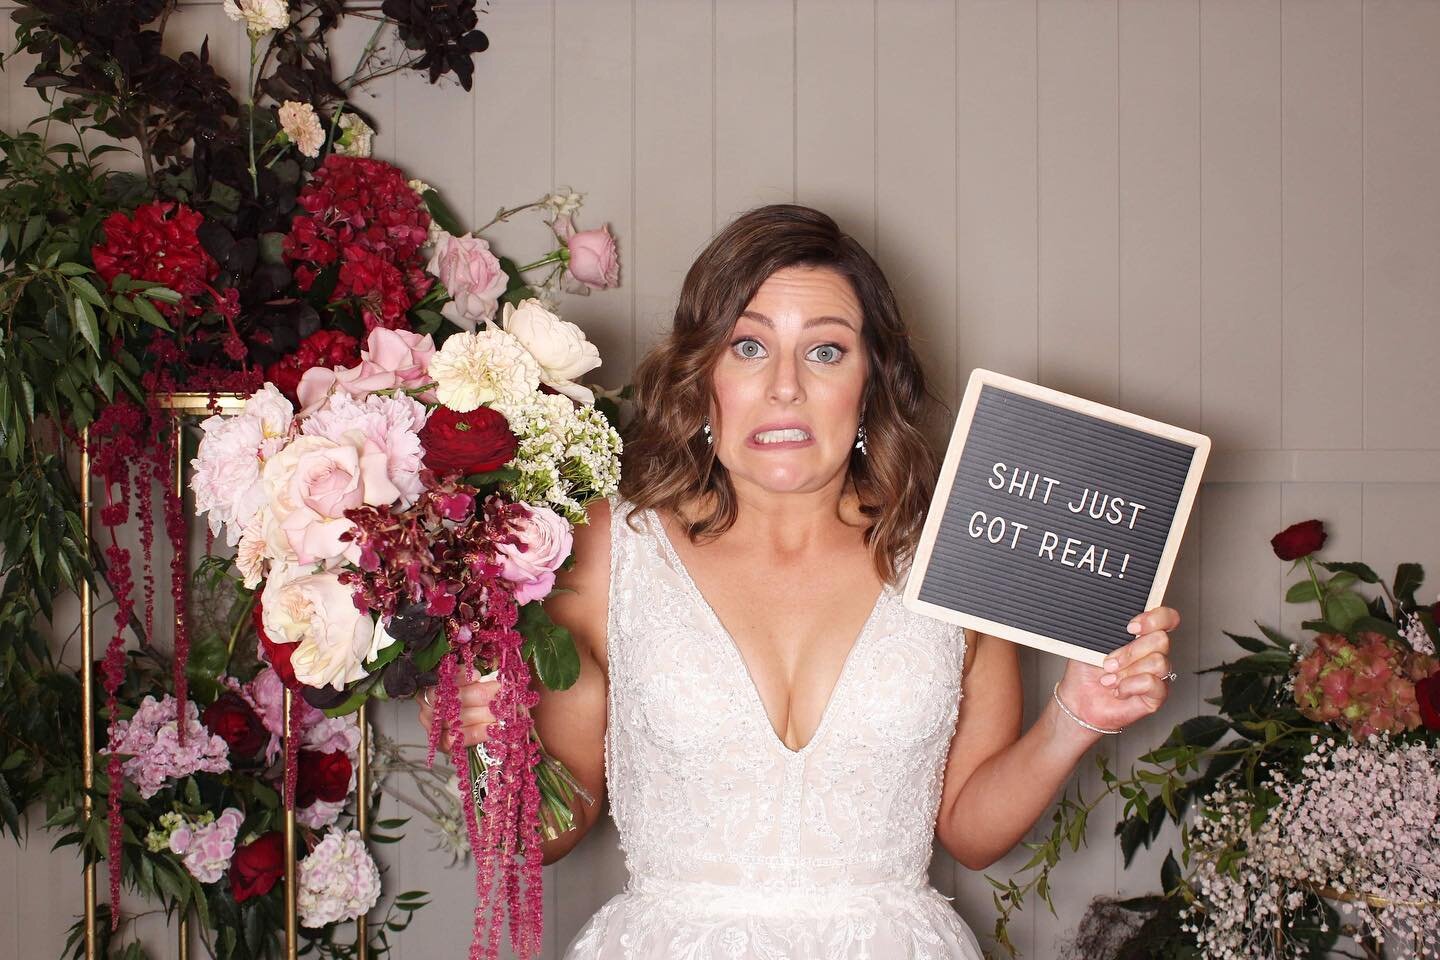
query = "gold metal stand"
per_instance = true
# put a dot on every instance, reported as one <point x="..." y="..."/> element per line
<point x="87" y="694"/>
<point x="362" y="822"/>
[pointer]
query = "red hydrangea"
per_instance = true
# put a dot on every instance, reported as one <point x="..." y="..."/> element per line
<point x="323" y="348"/>
<point x="158" y="243"/>
<point x="361" y="213"/>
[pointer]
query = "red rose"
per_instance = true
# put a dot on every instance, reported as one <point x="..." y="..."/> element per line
<point x="1299" y="540"/>
<point x="1427" y="693"/>
<point x="466" y="443"/>
<point x="233" y="720"/>
<point x="275" y="654"/>
<point x="321" y="776"/>
<point x="256" y="866"/>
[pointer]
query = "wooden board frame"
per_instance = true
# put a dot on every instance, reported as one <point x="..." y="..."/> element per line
<point x="979" y="378"/>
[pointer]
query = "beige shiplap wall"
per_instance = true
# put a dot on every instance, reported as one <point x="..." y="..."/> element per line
<point x="1223" y="214"/>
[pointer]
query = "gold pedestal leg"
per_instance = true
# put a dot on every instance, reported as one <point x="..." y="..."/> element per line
<point x="87" y="694"/>
<point x="292" y="875"/>
<point x="362" y="823"/>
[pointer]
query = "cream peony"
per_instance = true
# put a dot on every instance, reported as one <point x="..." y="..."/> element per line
<point x="472" y="275"/>
<point x="226" y="477"/>
<point x="473" y="369"/>
<point x="316" y="612"/>
<point x="302" y="126"/>
<point x="558" y="346"/>
<point x="259" y="16"/>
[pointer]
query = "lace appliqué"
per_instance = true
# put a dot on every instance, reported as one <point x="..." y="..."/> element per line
<point x="738" y="846"/>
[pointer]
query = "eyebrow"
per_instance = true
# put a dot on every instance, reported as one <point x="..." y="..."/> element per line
<point x="812" y="322"/>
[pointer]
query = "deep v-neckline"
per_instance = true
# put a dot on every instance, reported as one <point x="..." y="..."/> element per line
<point x="737" y="657"/>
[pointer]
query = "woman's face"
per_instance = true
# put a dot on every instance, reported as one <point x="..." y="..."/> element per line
<point x="789" y="383"/>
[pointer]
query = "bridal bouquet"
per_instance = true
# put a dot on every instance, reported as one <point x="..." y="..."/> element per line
<point x="401" y="520"/>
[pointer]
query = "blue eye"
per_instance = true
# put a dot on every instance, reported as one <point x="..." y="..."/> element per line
<point x="835" y="352"/>
<point x="748" y="349"/>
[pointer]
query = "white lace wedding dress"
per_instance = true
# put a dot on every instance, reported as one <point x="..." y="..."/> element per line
<point x="738" y="846"/>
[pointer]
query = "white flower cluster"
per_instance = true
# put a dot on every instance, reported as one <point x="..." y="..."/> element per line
<point x="1417" y="636"/>
<point x="1363" y="819"/>
<point x="567" y="454"/>
<point x="338" y="880"/>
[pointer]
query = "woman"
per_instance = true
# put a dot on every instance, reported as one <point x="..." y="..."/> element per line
<point x="782" y="740"/>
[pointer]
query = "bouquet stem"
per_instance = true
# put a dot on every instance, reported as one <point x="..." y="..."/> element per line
<point x="557" y="788"/>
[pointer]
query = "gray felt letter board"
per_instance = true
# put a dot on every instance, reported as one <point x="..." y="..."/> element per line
<point x="1055" y="519"/>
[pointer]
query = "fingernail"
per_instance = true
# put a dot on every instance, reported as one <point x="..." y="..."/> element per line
<point x="1133" y="626"/>
<point x="1110" y="663"/>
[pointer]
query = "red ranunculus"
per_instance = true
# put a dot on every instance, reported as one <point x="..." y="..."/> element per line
<point x="1299" y="540"/>
<point x="323" y="348"/>
<point x="321" y="776"/>
<point x="1427" y="693"/>
<point x="235" y="722"/>
<point x="466" y="443"/>
<point x="257" y="865"/>
<point x="276" y="654"/>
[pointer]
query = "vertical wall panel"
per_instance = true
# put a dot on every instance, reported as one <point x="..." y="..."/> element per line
<point x="673" y="145"/>
<point x="1159" y="237"/>
<point x="1240" y="217"/>
<point x="1079" y="320"/>
<point x="1322" y="253"/>
<point x="1402" y="225"/>
<point x="997" y="300"/>
<point x="835" y="119"/>
<point x="594" y="96"/>
<point x="754" y="105"/>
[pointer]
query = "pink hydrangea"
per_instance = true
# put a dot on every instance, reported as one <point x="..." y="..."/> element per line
<point x="150" y="743"/>
<point x="338" y="880"/>
<point x="1365" y="687"/>
<point x="206" y="848"/>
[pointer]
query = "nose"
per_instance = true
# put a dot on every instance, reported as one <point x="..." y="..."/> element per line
<point x="785" y="384"/>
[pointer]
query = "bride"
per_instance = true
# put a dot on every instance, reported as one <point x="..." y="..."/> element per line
<point x="780" y="739"/>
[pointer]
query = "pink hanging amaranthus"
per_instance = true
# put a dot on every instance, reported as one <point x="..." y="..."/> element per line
<point x="441" y="552"/>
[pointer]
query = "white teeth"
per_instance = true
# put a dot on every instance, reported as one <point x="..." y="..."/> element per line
<point x="780" y="436"/>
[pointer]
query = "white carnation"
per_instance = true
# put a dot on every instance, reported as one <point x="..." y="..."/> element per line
<point x="484" y="367"/>
<point x="302" y="125"/>
<point x="259" y="16"/>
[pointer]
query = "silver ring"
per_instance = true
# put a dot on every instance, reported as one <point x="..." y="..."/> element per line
<point x="425" y="695"/>
<point x="1169" y="676"/>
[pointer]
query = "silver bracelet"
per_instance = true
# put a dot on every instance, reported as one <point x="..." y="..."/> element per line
<point x="1071" y="715"/>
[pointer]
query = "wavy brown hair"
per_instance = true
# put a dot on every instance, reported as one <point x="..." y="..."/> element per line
<point x="666" y="461"/>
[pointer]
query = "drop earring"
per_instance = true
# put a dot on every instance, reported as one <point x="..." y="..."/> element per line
<point x="860" y="437"/>
<point x="709" y="438"/>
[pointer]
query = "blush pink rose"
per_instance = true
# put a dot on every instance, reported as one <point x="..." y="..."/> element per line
<point x="316" y="613"/>
<point x="544" y="543"/>
<point x="402" y="352"/>
<point x="318" y="384"/>
<point x="594" y="258"/>
<point x="473" y="277"/>
<point x="313" y="481"/>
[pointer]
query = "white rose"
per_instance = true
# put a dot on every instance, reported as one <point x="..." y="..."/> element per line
<point x="558" y="346"/>
<point x="316" y="612"/>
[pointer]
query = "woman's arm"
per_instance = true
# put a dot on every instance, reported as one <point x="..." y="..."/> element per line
<point x="571" y="723"/>
<point x="999" y="783"/>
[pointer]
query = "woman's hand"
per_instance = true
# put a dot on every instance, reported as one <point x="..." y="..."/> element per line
<point x="475" y="715"/>
<point x="1130" y="685"/>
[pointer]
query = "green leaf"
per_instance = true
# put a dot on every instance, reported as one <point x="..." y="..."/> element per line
<point x="441" y="213"/>
<point x="1249" y="643"/>
<point x="85" y="289"/>
<point x="1359" y="569"/>
<point x="557" y="663"/>
<point x="1301" y="591"/>
<point x="1408" y="577"/>
<point x="1344" y="609"/>
<point x="84" y="318"/>
<point x="148" y="313"/>
<point x="1169" y="873"/>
